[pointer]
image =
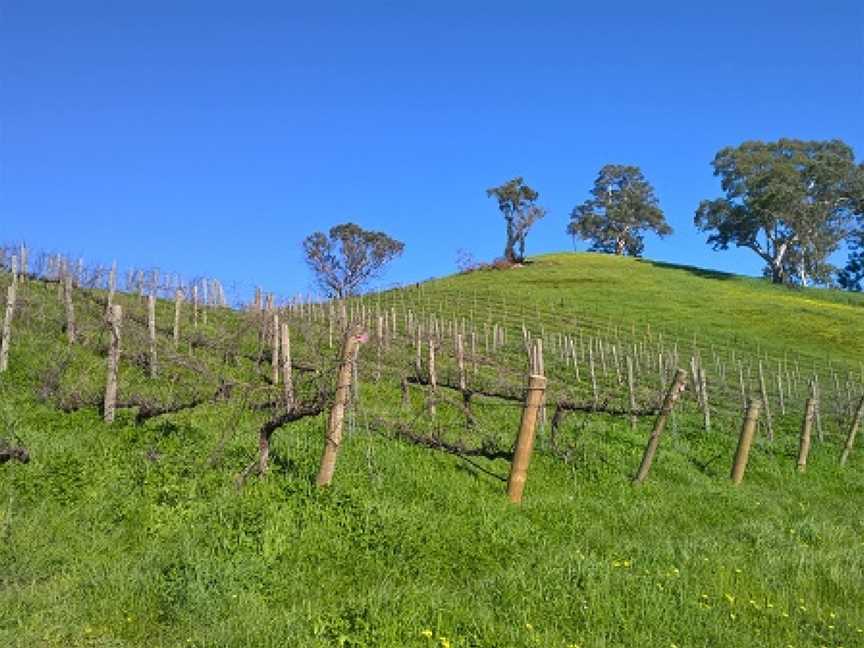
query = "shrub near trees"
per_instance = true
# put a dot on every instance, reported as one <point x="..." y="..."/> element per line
<point x="621" y="208"/>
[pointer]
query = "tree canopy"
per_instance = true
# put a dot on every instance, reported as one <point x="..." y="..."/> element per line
<point x="622" y="207"/>
<point x="516" y="200"/>
<point x="348" y="257"/>
<point x="792" y="202"/>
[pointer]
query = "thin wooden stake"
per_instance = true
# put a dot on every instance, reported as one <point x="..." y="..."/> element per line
<point x="151" y="333"/>
<point x="806" y="434"/>
<point x="70" y="308"/>
<point x="7" y="328"/>
<point x="285" y="360"/>
<point x="850" y="438"/>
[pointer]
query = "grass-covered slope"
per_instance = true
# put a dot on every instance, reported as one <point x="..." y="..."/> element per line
<point x="718" y="308"/>
<point x="136" y="535"/>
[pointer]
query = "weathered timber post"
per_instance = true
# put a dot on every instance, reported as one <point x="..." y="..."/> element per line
<point x="525" y="440"/>
<point x="814" y="394"/>
<point x="333" y="439"/>
<point x="70" y="308"/>
<point x="806" y="434"/>
<point x="672" y="395"/>
<point x="151" y="333"/>
<point x="274" y="350"/>
<point x="115" y="317"/>
<point x="745" y="440"/>
<point x="706" y="409"/>
<point x="178" y="300"/>
<point x="850" y="438"/>
<point x="11" y="292"/>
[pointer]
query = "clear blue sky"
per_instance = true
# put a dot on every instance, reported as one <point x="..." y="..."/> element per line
<point x="211" y="137"/>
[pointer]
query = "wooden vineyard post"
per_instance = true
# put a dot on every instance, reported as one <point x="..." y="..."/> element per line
<point x="70" y="308"/>
<point x="672" y="395"/>
<point x="745" y="440"/>
<point x="115" y="317"/>
<point x="525" y="440"/>
<point x="850" y="438"/>
<point x="285" y="360"/>
<point x="706" y="409"/>
<point x="433" y="379"/>
<point x="806" y="434"/>
<point x="178" y="300"/>
<point x="333" y="439"/>
<point x="274" y="350"/>
<point x="112" y="284"/>
<point x="7" y="328"/>
<point x="814" y="394"/>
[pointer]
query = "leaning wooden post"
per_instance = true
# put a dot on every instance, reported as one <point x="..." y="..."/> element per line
<point x="806" y="434"/>
<point x="525" y="440"/>
<point x="7" y="328"/>
<point x="178" y="300"/>
<point x="850" y="438"/>
<point x="351" y="344"/>
<point x="764" y="393"/>
<point x="151" y="333"/>
<point x="70" y="308"/>
<point x="672" y="395"/>
<point x="285" y="359"/>
<point x="115" y="317"/>
<point x="274" y="350"/>
<point x="745" y="440"/>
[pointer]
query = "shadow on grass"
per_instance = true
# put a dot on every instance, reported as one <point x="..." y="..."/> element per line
<point x="699" y="272"/>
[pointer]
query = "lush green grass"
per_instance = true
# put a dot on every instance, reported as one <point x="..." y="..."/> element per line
<point x="128" y="535"/>
<point x="717" y="308"/>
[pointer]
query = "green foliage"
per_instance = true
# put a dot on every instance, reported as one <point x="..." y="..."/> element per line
<point x="516" y="201"/>
<point x="792" y="202"/>
<point x="348" y="258"/>
<point x="622" y="207"/>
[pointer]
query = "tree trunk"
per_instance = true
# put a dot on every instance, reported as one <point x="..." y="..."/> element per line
<point x="509" y="252"/>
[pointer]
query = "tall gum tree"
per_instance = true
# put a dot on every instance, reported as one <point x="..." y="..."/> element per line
<point x="791" y="202"/>
<point x="517" y="202"/>
<point x="621" y="209"/>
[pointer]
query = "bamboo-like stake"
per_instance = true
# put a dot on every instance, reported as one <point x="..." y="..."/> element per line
<point x="853" y="430"/>
<point x="11" y="292"/>
<point x="333" y="438"/>
<point x="433" y="379"/>
<point x="274" y="350"/>
<point x="285" y="360"/>
<point x="706" y="408"/>
<point x="525" y="440"/>
<point x="764" y="393"/>
<point x="195" y="307"/>
<point x="70" y="308"/>
<point x="460" y="362"/>
<point x="672" y="395"/>
<point x="806" y="434"/>
<point x="745" y="440"/>
<point x="178" y="300"/>
<point x="115" y="317"/>
<point x="631" y="390"/>
<point x="151" y="333"/>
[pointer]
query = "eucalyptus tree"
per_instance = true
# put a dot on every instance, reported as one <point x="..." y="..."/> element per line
<point x="622" y="207"/>
<point x="791" y="202"/>
<point x="517" y="202"/>
<point x="348" y="257"/>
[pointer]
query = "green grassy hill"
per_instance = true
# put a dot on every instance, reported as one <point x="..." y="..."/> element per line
<point x="137" y="534"/>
